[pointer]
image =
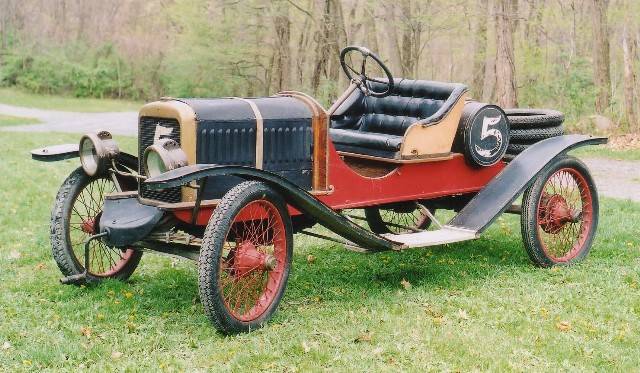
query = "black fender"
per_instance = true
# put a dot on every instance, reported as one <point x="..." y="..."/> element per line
<point x="296" y="197"/>
<point x="503" y="189"/>
<point x="56" y="153"/>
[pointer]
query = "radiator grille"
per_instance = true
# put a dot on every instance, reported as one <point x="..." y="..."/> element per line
<point x="146" y="133"/>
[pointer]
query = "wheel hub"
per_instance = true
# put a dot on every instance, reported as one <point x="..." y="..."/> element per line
<point x="247" y="258"/>
<point x="555" y="214"/>
<point x="88" y="226"/>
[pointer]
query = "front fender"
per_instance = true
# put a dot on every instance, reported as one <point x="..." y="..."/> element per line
<point x="296" y="197"/>
<point x="503" y="189"/>
<point x="56" y="153"/>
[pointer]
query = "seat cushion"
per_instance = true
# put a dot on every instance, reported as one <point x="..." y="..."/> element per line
<point x="410" y="101"/>
<point x="367" y="124"/>
<point x="366" y="139"/>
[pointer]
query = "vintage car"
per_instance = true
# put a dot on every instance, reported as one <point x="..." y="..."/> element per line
<point x="228" y="181"/>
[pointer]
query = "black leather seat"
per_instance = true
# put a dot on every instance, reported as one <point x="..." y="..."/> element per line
<point x="376" y="126"/>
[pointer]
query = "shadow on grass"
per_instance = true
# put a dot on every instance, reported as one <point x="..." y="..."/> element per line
<point x="336" y="275"/>
<point x="337" y="280"/>
<point x="339" y="275"/>
<point x="447" y="267"/>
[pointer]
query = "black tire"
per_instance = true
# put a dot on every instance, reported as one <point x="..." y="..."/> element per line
<point x="534" y="118"/>
<point x="515" y="149"/>
<point x="408" y="216"/>
<point x="211" y="258"/>
<point x="67" y="250"/>
<point x="549" y="220"/>
<point x="527" y="135"/>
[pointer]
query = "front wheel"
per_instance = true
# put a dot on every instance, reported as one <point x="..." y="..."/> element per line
<point x="245" y="258"/>
<point x="560" y="213"/>
<point x="75" y="217"/>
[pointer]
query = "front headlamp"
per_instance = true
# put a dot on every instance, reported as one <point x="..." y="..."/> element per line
<point x="165" y="155"/>
<point x="96" y="150"/>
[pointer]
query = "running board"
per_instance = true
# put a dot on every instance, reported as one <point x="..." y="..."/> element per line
<point x="444" y="235"/>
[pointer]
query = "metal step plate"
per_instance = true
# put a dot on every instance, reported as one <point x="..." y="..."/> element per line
<point x="444" y="235"/>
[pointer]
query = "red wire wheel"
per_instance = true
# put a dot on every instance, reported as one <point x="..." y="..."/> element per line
<point x="245" y="258"/>
<point x="75" y="217"/>
<point x="560" y="214"/>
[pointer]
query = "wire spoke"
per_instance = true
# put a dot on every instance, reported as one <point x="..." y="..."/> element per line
<point x="563" y="214"/>
<point x="85" y="212"/>
<point x="256" y="230"/>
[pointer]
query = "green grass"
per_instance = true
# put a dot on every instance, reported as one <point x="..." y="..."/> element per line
<point x="604" y="152"/>
<point x="8" y="120"/>
<point x="471" y="306"/>
<point x="13" y="96"/>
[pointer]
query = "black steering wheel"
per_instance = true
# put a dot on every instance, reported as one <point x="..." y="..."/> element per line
<point x="360" y="78"/>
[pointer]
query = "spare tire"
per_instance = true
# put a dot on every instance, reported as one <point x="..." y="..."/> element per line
<point x="522" y="135"/>
<point x="483" y="134"/>
<point x="534" y="118"/>
<point x="514" y="149"/>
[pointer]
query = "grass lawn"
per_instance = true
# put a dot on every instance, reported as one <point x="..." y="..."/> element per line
<point x="604" y="152"/>
<point x="13" y="96"/>
<point x="471" y="306"/>
<point x="8" y="120"/>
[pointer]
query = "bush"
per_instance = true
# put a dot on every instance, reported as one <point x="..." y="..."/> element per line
<point x="76" y="70"/>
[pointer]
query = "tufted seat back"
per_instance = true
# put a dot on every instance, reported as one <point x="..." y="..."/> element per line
<point x="410" y="101"/>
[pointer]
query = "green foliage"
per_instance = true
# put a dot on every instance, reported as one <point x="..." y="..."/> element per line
<point x="75" y="70"/>
<point x="575" y="88"/>
<point x="568" y="87"/>
<point x="207" y="59"/>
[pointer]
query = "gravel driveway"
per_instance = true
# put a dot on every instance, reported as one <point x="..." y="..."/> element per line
<point x="617" y="179"/>
<point x="118" y="123"/>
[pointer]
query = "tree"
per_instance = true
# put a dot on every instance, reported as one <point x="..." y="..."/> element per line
<point x="601" y="58"/>
<point x="628" y="52"/>
<point x="479" y="48"/>
<point x="506" y="91"/>
<point x="282" y="53"/>
<point x="393" y="46"/>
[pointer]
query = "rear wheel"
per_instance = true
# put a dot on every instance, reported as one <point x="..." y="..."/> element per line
<point x="245" y="258"/>
<point x="75" y="217"/>
<point x="399" y="218"/>
<point x="560" y="214"/>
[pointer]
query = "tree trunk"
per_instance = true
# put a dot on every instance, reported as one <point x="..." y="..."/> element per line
<point x="480" y="48"/>
<point x="303" y="51"/>
<point x="322" y="49"/>
<point x="506" y="91"/>
<point x="282" y="53"/>
<point x="371" y="32"/>
<point x="407" y="39"/>
<point x="337" y="38"/>
<point x="628" y="47"/>
<point x="601" y="59"/>
<point x="393" y="47"/>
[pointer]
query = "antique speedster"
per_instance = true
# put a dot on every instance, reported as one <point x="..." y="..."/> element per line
<point x="227" y="182"/>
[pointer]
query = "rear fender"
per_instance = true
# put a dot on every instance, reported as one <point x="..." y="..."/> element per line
<point x="296" y="197"/>
<point x="503" y="189"/>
